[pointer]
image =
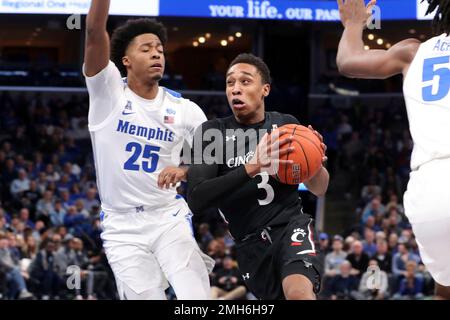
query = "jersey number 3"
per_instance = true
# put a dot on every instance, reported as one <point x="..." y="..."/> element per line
<point x="442" y="87"/>
<point x="150" y="152"/>
<point x="264" y="184"/>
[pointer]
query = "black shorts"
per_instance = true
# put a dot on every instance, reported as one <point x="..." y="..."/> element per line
<point x="266" y="257"/>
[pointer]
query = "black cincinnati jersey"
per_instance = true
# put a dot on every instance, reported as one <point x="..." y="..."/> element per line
<point x="247" y="204"/>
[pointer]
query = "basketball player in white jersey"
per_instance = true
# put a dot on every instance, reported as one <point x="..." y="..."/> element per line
<point x="426" y="71"/>
<point x="138" y="129"/>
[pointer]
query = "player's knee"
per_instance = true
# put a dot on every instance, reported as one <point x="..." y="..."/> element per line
<point x="300" y="294"/>
<point x="442" y="292"/>
<point x="298" y="287"/>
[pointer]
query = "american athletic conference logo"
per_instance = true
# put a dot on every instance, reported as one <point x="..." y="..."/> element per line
<point x="296" y="233"/>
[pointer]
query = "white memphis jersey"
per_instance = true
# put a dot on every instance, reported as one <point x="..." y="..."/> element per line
<point x="426" y="89"/>
<point x="135" y="139"/>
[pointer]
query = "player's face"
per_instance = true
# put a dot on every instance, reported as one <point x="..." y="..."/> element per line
<point x="145" y="58"/>
<point x="246" y="92"/>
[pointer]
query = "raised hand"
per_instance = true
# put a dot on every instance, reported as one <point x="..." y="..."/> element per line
<point x="355" y="11"/>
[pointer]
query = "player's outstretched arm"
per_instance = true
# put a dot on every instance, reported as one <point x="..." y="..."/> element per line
<point x="96" y="53"/>
<point x="353" y="61"/>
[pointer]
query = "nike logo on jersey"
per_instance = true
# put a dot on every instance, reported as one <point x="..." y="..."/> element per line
<point x="127" y="113"/>
<point x="176" y="213"/>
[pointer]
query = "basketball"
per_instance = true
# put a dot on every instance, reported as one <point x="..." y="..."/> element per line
<point x="307" y="155"/>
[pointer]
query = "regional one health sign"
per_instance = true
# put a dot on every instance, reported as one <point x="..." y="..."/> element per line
<point x="118" y="7"/>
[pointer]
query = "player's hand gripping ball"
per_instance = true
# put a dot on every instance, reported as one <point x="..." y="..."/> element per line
<point x="307" y="157"/>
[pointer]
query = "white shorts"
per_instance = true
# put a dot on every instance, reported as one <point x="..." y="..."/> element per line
<point x="427" y="206"/>
<point x="433" y="239"/>
<point x="145" y="247"/>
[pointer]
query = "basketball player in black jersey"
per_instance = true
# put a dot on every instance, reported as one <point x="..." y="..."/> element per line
<point x="275" y="245"/>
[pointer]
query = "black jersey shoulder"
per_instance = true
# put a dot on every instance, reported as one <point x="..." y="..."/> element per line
<point x="284" y="117"/>
<point x="217" y="123"/>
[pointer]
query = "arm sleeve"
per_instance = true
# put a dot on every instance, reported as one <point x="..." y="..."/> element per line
<point x="205" y="187"/>
<point x="105" y="90"/>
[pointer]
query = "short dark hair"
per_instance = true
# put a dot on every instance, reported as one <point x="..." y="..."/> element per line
<point x="124" y="35"/>
<point x="253" y="60"/>
<point x="441" y="21"/>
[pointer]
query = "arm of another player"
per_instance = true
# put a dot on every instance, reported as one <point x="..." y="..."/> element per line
<point x="96" y="53"/>
<point x="193" y="117"/>
<point x="318" y="184"/>
<point x="356" y="62"/>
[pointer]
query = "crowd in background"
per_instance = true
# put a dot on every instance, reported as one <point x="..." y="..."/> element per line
<point x="50" y="223"/>
<point x="371" y="148"/>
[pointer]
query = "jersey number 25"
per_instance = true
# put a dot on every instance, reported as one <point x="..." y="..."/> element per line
<point x="150" y="152"/>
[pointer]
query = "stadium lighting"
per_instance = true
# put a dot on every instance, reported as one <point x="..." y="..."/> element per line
<point x="231" y="38"/>
<point x="380" y="41"/>
<point x="224" y="43"/>
<point x="370" y="36"/>
<point x="202" y="39"/>
<point x="208" y="35"/>
<point x="388" y="45"/>
<point x="195" y="44"/>
<point x="238" y="34"/>
<point x="366" y="47"/>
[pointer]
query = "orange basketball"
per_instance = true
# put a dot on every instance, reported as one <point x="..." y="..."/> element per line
<point x="307" y="155"/>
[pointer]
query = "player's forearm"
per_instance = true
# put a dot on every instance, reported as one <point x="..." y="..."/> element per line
<point x="350" y="47"/>
<point x="96" y="53"/>
<point x="318" y="185"/>
<point x="97" y="16"/>
<point x="206" y="192"/>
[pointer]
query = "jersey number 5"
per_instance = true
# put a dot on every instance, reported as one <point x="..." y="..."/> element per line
<point x="150" y="152"/>
<point x="264" y="184"/>
<point x="428" y="75"/>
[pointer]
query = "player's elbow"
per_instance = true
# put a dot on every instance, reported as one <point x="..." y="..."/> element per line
<point x="345" y="67"/>
<point x="320" y="192"/>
